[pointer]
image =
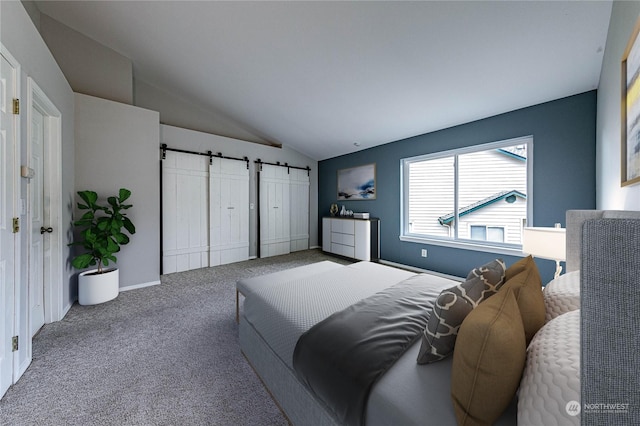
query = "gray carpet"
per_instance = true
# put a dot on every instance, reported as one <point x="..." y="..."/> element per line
<point x="162" y="355"/>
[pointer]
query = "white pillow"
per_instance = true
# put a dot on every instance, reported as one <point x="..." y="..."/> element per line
<point x="562" y="295"/>
<point x="550" y="386"/>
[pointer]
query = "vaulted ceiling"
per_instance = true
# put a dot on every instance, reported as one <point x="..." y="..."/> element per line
<point x="330" y="78"/>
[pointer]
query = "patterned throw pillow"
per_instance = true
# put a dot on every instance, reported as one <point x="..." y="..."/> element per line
<point x="453" y="305"/>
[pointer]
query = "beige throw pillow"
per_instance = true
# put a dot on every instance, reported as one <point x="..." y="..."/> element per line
<point x="488" y="360"/>
<point x="527" y="288"/>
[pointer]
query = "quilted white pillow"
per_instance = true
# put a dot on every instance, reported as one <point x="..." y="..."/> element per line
<point x="550" y="385"/>
<point x="562" y="295"/>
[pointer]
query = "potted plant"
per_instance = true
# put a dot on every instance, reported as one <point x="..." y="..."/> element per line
<point x="101" y="235"/>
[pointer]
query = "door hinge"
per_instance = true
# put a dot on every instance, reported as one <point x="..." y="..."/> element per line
<point x="16" y="225"/>
<point x="14" y="343"/>
<point x="16" y="106"/>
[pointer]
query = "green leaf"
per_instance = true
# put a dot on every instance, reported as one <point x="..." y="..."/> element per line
<point x="83" y="207"/>
<point x="121" y="238"/>
<point x="87" y="216"/>
<point x="113" y="201"/>
<point x="128" y="225"/>
<point x="112" y="246"/>
<point x="90" y="237"/>
<point x="82" y="261"/>
<point x="124" y="194"/>
<point x="90" y="197"/>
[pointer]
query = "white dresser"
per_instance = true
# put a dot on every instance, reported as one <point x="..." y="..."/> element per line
<point x="348" y="237"/>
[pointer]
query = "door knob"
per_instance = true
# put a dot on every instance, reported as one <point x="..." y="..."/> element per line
<point x="43" y="230"/>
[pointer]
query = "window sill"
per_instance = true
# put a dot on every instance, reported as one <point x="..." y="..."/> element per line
<point x="510" y="251"/>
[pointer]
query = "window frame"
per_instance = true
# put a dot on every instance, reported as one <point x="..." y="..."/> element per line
<point x="455" y="242"/>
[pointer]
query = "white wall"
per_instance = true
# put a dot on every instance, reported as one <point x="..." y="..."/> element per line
<point x="176" y="137"/>
<point x="609" y="193"/>
<point x="117" y="147"/>
<point x="175" y="111"/>
<point x="90" y="67"/>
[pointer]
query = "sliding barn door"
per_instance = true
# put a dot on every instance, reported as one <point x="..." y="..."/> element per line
<point x="275" y="230"/>
<point x="299" y="211"/>
<point x="185" y="212"/>
<point x="229" y="210"/>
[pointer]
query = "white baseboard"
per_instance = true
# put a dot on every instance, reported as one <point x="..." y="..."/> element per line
<point x="314" y="247"/>
<point x="420" y="270"/>
<point x="137" y="286"/>
<point x="65" y="310"/>
<point x="253" y="257"/>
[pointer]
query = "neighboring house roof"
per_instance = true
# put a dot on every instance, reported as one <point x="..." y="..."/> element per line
<point x="513" y="153"/>
<point x="448" y="218"/>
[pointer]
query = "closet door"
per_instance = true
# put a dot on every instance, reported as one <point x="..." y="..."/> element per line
<point x="299" y="211"/>
<point x="185" y="212"/>
<point x="275" y="228"/>
<point x="229" y="210"/>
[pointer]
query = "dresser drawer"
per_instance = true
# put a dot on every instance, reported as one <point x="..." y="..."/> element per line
<point x="344" y="239"/>
<point x="342" y="250"/>
<point x="343" y="226"/>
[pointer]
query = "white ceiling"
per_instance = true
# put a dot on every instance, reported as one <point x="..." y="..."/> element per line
<point x="321" y="76"/>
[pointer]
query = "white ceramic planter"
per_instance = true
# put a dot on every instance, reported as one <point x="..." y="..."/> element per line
<point x="98" y="288"/>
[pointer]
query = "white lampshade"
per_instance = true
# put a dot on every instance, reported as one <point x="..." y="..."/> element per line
<point x="545" y="243"/>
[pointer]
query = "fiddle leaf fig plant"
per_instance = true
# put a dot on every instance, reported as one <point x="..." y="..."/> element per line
<point x="102" y="229"/>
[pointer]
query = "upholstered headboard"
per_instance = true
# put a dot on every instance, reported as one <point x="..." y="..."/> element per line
<point x="575" y="219"/>
<point x="610" y="313"/>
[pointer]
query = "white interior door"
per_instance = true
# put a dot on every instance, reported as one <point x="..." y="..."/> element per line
<point x="45" y="204"/>
<point x="275" y="230"/>
<point x="8" y="210"/>
<point x="299" y="202"/>
<point x="229" y="211"/>
<point x="185" y="212"/>
<point x="36" y="214"/>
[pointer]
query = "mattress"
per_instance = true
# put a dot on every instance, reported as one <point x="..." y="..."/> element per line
<point x="280" y="314"/>
<point x="250" y="285"/>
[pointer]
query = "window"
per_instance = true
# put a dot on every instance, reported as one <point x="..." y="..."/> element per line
<point x="487" y="233"/>
<point x="475" y="196"/>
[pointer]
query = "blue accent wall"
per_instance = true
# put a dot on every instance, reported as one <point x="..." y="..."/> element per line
<point x="564" y="176"/>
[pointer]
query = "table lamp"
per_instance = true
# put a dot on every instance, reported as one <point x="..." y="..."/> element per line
<point x="545" y="243"/>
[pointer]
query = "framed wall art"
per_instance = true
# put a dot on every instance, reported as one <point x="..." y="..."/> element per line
<point x="630" y="114"/>
<point x="357" y="183"/>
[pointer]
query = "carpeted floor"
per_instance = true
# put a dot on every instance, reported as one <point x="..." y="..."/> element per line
<point x="162" y="355"/>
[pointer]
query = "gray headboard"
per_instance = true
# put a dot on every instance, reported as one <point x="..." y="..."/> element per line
<point x="610" y="314"/>
<point x="575" y="219"/>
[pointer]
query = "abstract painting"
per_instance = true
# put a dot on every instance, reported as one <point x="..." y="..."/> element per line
<point x="357" y="183"/>
<point x="630" y="113"/>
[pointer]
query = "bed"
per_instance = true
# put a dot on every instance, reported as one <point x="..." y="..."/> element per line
<point x="282" y="310"/>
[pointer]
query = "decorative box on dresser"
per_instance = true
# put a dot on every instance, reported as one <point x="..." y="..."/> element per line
<point x="349" y="237"/>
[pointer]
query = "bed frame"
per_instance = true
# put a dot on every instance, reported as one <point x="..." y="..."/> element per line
<point x="610" y="313"/>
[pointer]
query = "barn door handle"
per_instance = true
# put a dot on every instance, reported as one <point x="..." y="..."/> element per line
<point x="43" y="230"/>
<point x="230" y="208"/>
